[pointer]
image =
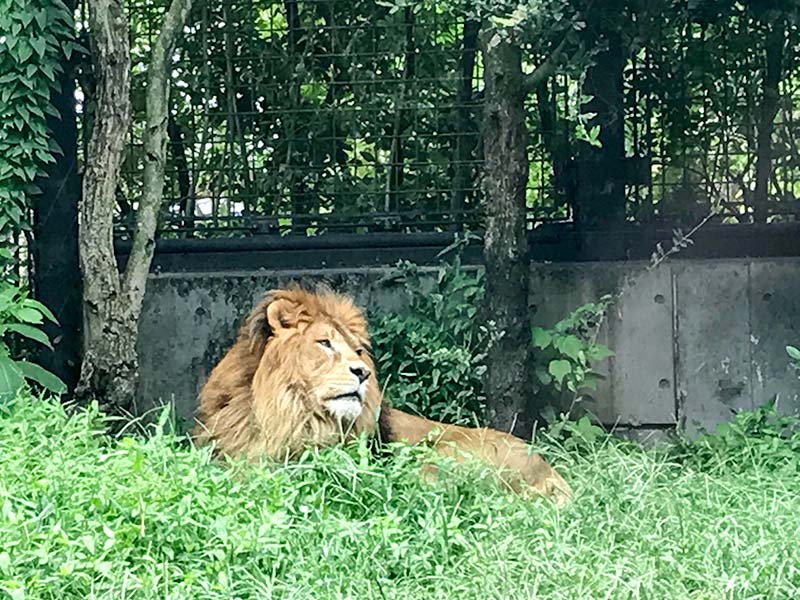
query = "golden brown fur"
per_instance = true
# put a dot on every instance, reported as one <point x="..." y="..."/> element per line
<point x="299" y="375"/>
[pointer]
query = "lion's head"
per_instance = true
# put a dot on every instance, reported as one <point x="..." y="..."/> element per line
<point x="299" y="375"/>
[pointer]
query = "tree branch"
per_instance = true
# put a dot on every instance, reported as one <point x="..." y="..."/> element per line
<point x="543" y="72"/>
<point x="155" y="151"/>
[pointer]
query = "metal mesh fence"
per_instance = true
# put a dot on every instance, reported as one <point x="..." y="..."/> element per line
<point x="317" y="116"/>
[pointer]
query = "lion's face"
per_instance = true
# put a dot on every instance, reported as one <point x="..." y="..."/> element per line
<point x="299" y="376"/>
<point x="329" y="363"/>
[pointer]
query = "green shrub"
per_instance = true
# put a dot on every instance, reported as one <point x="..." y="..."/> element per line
<point x="760" y="438"/>
<point x="34" y="36"/>
<point x="21" y="316"/>
<point x="564" y="354"/>
<point x="431" y="359"/>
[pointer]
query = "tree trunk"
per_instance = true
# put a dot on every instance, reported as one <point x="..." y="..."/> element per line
<point x="108" y="361"/>
<point x="396" y="174"/>
<point x="177" y="149"/>
<point x="769" y="109"/>
<point x="465" y="127"/>
<point x="55" y="229"/>
<point x="558" y="146"/>
<point x="508" y="380"/>
<point x="600" y="202"/>
<point x="112" y="304"/>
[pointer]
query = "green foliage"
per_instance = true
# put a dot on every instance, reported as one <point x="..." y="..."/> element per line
<point x="761" y="438"/>
<point x="794" y="355"/>
<point x="431" y="358"/>
<point x="347" y="109"/>
<point x="22" y="316"/>
<point x="83" y="515"/>
<point x="579" y="435"/>
<point x="35" y="35"/>
<point x="565" y="353"/>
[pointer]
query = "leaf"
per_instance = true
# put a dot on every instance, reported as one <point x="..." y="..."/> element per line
<point x="27" y="314"/>
<point x="599" y="352"/>
<point x="570" y="346"/>
<point x="36" y="305"/>
<point x="41" y="18"/>
<point x="559" y="369"/>
<point x="30" y="332"/>
<point x="39" y="45"/>
<point x="42" y="376"/>
<point x="541" y="337"/>
<point x="10" y="378"/>
<point x="793" y="352"/>
<point x="24" y="52"/>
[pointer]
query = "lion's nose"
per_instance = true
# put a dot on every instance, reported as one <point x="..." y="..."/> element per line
<point x="361" y="371"/>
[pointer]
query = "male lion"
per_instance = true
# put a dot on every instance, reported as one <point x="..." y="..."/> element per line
<point x="300" y="375"/>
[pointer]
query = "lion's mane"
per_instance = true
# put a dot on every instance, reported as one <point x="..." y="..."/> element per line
<point x="255" y="401"/>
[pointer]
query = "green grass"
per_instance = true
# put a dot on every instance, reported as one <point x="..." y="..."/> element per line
<point x="84" y="516"/>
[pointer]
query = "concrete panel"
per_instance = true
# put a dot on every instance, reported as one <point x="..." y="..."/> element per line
<point x="641" y="337"/>
<point x="774" y="324"/>
<point x="639" y="386"/>
<point x="713" y="339"/>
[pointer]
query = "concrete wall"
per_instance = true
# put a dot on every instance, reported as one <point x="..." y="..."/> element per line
<point x="693" y="339"/>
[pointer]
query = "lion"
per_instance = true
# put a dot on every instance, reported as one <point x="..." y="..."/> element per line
<point x="300" y="375"/>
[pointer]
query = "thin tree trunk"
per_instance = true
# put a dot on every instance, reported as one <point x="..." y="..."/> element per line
<point x="769" y="109"/>
<point x="600" y="202"/>
<point x="557" y="145"/>
<point x="295" y="150"/>
<point x="395" y="179"/>
<point x="505" y="250"/>
<point x="465" y="128"/>
<point x="177" y="150"/>
<point x="112" y="304"/>
<point x="234" y="127"/>
<point x="55" y="228"/>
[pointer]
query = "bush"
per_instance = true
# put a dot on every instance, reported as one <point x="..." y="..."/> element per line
<point x="432" y="358"/>
<point x="20" y="317"/>
<point x="760" y="438"/>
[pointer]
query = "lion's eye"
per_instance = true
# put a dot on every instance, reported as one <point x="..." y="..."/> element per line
<point x="359" y="351"/>
<point x="325" y="344"/>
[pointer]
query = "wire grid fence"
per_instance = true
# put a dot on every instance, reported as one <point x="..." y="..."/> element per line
<point x="316" y="116"/>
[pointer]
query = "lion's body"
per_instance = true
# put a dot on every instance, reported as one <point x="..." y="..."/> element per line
<point x="297" y="377"/>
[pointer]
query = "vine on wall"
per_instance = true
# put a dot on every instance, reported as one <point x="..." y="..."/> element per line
<point x="35" y="37"/>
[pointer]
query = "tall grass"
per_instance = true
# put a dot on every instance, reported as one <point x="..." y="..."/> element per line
<point x="84" y="516"/>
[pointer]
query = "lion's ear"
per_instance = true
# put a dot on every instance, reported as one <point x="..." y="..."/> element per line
<point x="269" y="315"/>
<point x="274" y="312"/>
<point x="283" y="313"/>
